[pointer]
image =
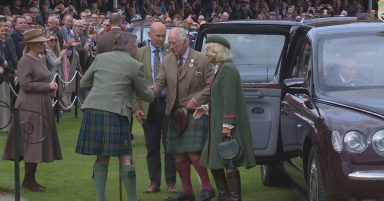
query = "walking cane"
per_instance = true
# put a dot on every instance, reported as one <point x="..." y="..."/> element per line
<point x="120" y="186"/>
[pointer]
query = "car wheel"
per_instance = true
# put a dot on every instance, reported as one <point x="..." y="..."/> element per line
<point x="316" y="189"/>
<point x="272" y="175"/>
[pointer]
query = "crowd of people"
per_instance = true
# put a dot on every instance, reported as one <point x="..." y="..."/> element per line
<point x="39" y="39"/>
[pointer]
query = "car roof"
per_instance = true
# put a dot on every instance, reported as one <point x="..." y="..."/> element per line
<point x="356" y="27"/>
<point x="261" y="22"/>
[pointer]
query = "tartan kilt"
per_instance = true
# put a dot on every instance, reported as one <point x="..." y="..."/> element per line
<point x="104" y="133"/>
<point x="192" y="140"/>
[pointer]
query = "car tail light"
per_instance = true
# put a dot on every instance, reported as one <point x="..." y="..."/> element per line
<point x="355" y="141"/>
<point x="378" y="142"/>
<point x="337" y="143"/>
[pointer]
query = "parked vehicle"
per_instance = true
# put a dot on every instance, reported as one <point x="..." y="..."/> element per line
<point x="322" y="128"/>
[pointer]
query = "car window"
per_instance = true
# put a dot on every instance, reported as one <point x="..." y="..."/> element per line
<point x="350" y="62"/>
<point x="255" y="55"/>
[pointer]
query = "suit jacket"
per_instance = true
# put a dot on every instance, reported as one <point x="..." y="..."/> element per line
<point x="106" y="41"/>
<point x="18" y="39"/>
<point x="114" y="77"/>
<point x="144" y="56"/>
<point x="192" y="82"/>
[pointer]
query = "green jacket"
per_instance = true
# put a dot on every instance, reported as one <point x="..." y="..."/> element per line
<point x="114" y="78"/>
<point x="227" y="106"/>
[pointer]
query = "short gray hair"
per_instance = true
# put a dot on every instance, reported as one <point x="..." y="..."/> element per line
<point x="180" y="33"/>
<point x="124" y="41"/>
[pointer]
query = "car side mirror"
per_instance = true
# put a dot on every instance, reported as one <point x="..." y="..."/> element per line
<point x="295" y="86"/>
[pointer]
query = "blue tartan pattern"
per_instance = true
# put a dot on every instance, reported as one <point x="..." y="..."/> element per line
<point x="104" y="133"/>
<point x="192" y="140"/>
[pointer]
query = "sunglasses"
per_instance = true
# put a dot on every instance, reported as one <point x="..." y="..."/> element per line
<point x="53" y="39"/>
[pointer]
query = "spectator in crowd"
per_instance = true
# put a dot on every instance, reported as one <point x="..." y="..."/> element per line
<point x="53" y="28"/>
<point x="54" y="55"/>
<point x="37" y="18"/>
<point x="228" y="119"/>
<point x="184" y="95"/>
<point x="36" y="92"/>
<point x="16" y="7"/>
<point x="151" y="115"/>
<point x="113" y="77"/>
<point x="71" y="62"/>
<point x="17" y="35"/>
<point x="106" y="41"/>
<point x="224" y="16"/>
<point x="5" y="114"/>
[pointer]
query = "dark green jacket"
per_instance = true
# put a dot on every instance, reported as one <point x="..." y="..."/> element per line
<point x="227" y="106"/>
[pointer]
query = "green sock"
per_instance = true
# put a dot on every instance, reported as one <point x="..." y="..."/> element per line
<point x="100" y="177"/>
<point x="128" y="175"/>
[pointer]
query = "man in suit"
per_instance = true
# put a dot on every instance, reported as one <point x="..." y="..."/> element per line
<point x="151" y="115"/>
<point x="53" y="24"/>
<point x="107" y="40"/>
<point x="17" y="35"/>
<point x="185" y="74"/>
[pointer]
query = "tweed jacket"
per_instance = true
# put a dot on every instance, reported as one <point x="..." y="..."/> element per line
<point x="144" y="56"/>
<point x="114" y="77"/>
<point x="193" y="81"/>
<point x="106" y="41"/>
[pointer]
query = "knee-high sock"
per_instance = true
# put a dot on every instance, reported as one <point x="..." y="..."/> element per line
<point x="203" y="174"/>
<point x="100" y="177"/>
<point x="128" y="175"/>
<point x="184" y="169"/>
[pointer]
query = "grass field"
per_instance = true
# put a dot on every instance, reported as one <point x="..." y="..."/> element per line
<point x="70" y="179"/>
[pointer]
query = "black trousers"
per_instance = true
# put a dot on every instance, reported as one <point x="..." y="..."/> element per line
<point x="155" y="132"/>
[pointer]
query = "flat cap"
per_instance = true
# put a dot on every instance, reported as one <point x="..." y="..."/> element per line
<point x="218" y="39"/>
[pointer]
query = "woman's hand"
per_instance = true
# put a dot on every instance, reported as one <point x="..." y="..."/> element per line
<point x="53" y="86"/>
<point x="1" y="70"/>
<point x="63" y="53"/>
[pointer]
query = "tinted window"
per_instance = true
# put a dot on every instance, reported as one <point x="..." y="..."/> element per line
<point x="256" y="56"/>
<point x="350" y="62"/>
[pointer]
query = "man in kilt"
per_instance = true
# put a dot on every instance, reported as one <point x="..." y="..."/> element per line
<point x="185" y="73"/>
<point x="105" y="130"/>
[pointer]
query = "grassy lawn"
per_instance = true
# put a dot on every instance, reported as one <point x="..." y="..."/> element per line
<point x="70" y="179"/>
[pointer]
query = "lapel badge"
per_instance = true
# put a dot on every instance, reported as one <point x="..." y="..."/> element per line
<point x="191" y="63"/>
<point x="198" y="73"/>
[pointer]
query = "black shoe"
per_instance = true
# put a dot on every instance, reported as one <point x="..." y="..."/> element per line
<point x="181" y="197"/>
<point x="207" y="195"/>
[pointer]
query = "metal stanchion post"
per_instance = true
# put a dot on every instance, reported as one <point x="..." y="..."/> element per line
<point x="57" y="98"/>
<point x="17" y="153"/>
<point x="77" y="93"/>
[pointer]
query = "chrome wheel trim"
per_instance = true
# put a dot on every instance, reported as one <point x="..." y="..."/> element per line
<point x="313" y="182"/>
<point x="264" y="171"/>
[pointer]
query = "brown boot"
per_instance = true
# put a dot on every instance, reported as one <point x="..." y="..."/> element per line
<point x="29" y="181"/>
<point x="221" y="184"/>
<point x="234" y="184"/>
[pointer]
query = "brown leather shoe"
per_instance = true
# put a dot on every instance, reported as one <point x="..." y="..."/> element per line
<point x="171" y="188"/>
<point x="153" y="188"/>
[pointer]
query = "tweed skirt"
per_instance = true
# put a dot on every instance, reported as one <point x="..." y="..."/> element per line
<point x="104" y="133"/>
<point x="192" y="140"/>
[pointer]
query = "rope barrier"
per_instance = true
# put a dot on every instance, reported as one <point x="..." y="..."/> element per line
<point x="73" y="102"/>
<point x="74" y="76"/>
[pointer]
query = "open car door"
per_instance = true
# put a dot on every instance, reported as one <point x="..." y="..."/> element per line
<point x="259" y="49"/>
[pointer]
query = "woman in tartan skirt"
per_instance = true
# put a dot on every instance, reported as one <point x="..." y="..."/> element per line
<point x="105" y="131"/>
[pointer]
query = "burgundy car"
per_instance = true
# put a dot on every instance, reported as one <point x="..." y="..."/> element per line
<point x="315" y="98"/>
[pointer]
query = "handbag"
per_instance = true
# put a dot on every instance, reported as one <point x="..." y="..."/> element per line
<point x="229" y="150"/>
<point x="181" y="119"/>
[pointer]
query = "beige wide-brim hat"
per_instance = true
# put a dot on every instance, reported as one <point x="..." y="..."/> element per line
<point x="34" y="35"/>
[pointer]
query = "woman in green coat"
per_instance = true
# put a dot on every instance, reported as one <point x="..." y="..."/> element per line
<point x="228" y="118"/>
